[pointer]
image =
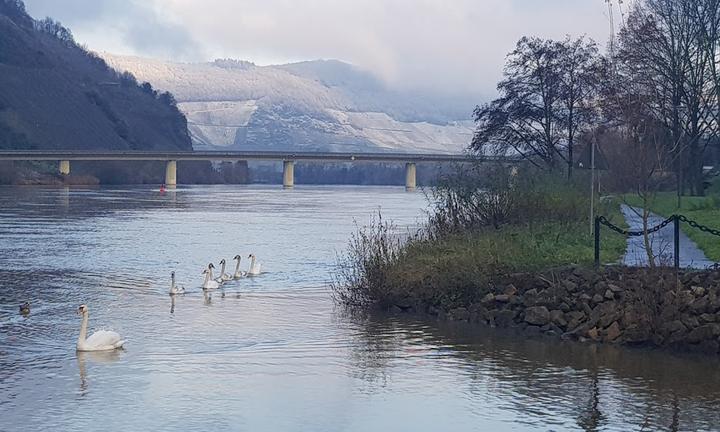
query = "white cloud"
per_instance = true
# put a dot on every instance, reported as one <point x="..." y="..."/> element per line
<point x="456" y="46"/>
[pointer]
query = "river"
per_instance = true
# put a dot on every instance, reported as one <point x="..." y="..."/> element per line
<point x="273" y="353"/>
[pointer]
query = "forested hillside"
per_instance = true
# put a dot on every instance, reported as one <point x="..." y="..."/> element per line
<point x="54" y="94"/>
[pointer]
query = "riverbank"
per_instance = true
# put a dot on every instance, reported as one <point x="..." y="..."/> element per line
<point x="532" y="271"/>
<point x="615" y="305"/>
<point x="703" y="210"/>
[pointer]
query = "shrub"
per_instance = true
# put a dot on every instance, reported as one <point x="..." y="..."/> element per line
<point x="477" y="198"/>
<point x="362" y="277"/>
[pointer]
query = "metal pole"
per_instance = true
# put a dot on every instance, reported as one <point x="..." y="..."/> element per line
<point x="597" y="242"/>
<point x="592" y="184"/>
<point x="676" y="224"/>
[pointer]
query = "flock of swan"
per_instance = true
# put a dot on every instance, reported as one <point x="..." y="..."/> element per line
<point x="214" y="283"/>
<point x="105" y="340"/>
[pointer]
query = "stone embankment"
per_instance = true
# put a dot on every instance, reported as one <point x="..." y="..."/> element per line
<point x="614" y="305"/>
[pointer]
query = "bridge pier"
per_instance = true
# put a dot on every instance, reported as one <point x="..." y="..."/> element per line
<point x="288" y="174"/>
<point x="64" y="167"/>
<point x="410" y="176"/>
<point x="171" y="173"/>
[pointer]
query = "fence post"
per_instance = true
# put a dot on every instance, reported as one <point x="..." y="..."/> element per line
<point x="597" y="242"/>
<point x="676" y="225"/>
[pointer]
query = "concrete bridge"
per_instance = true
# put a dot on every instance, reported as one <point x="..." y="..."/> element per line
<point x="288" y="158"/>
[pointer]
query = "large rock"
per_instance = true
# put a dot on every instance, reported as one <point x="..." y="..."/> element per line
<point x="705" y="332"/>
<point x="537" y="315"/>
<point x="637" y="334"/>
<point x="459" y="314"/>
<point x="700" y="305"/>
<point x="505" y="318"/>
<point x="612" y="332"/>
<point x="510" y="290"/>
<point x="489" y="298"/>
<point x="614" y="288"/>
<point x="558" y="318"/>
<point x="698" y="291"/>
<point x="673" y="327"/>
<point x="570" y="285"/>
<point x="574" y="319"/>
<point x="502" y="298"/>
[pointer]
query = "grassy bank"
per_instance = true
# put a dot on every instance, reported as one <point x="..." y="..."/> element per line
<point x="457" y="270"/>
<point x="703" y="210"/>
<point x="477" y="233"/>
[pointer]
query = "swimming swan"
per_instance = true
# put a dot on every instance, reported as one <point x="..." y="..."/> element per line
<point x="224" y="277"/>
<point x="209" y="282"/>
<point x="101" y="340"/>
<point x="254" y="266"/>
<point x="175" y="289"/>
<point x="238" y="273"/>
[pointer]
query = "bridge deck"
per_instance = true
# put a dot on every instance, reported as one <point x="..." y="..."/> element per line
<point x="232" y="156"/>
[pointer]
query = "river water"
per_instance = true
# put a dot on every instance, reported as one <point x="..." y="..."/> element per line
<point x="273" y="353"/>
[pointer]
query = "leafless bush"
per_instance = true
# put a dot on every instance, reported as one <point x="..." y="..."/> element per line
<point x="482" y="197"/>
<point x="361" y="278"/>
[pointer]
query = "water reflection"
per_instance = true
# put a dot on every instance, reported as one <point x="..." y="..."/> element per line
<point x="207" y="298"/>
<point x="172" y="304"/>
<point x="93" y="357"/>
<point x="591" y="419"/>
<point x="546" y="382"/>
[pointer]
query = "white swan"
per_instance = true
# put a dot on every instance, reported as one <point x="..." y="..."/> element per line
<point x="101" y="340"/>
<point x="224" y="277"/>
<point x="209" y="282"/>
<point x="254" y="266"/>
<point x="175" y="289"/>
<point x="238" y="273"/>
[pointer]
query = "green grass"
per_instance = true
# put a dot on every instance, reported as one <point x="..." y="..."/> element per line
<point x="703" y="210"/>
<point x="457" y="270"/>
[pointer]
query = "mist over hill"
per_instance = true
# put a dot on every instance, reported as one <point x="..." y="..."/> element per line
<point x="322" y="105"/>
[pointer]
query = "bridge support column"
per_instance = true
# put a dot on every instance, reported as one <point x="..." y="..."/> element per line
<point x="64" y="167"/>
<point x="288" y="174"/>
<point x="171" y="173"/>
<point x="410" y="176"/>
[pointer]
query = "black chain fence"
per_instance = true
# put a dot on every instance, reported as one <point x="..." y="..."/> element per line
<point x="617" y="229"/>
<point x="674" y="219"/>
<point x="694" y="224"/>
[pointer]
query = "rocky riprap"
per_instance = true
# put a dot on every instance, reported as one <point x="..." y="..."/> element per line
<point x="614" y="305"/>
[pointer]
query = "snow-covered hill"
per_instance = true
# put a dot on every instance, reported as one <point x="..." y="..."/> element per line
<point x="317" y="105"/>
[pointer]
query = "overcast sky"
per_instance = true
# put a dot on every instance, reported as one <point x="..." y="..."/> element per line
<point x="446" y="45"/>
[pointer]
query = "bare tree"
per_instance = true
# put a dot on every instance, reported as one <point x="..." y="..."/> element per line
<point x="579" y="67"/>
<point x="526" y="118"/>
<point x="668" y="46"/>
<point x="547" y="97"/>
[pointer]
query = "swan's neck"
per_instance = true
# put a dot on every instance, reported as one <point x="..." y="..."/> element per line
<point x="252" y="263"/>
<point x="172" y="278"/>
<point x="83" y="329"/>
<point x="222" y="269"/>
<point x="237" y="267"/>
<point x="208" y="275"/>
